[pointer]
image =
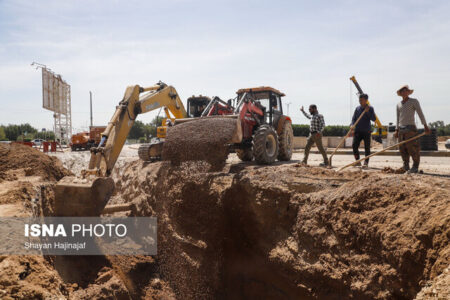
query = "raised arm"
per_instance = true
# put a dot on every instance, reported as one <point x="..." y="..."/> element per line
<point x="306" y="114"/>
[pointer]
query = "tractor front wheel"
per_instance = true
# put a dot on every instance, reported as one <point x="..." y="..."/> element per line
<point x="265" y="145"/>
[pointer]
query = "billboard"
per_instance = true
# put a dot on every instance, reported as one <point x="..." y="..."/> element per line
<point x="55" y="92"/>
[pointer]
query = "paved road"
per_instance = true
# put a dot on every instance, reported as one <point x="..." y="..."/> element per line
<point x="431" y="165"/>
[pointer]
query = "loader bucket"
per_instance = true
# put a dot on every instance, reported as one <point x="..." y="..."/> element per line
<point x="202" y="139"/>
<point x="76" y="197"/>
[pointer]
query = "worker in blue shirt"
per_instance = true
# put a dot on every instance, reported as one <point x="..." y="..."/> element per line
<point x="362" y="130"/>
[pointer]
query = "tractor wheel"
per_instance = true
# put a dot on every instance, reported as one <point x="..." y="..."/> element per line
<point x="265" y="145"/>
<point x="245" y="154"/>
<point x="286" y="140"/>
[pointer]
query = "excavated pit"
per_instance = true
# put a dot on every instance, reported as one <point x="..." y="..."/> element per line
<point x="200" y="140"/>
<point x="292" y="232"/>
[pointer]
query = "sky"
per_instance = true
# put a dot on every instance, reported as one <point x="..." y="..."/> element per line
<point x="307" y="49"/>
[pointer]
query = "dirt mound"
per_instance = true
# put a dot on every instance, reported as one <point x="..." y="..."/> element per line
<point x="17" y="156"/>
<point x="389" y="170"/>
<point x="438" y="288"/>
<point x="293" y="232"/>
<point x="29" y="277"/>
<point x="203" y="139"/>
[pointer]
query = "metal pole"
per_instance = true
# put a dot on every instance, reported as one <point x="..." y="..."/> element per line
<point x="287" y="104"/>
<point x="90" y="98"/>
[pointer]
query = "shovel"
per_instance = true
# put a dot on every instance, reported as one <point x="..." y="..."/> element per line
<point x="388" y="148"/>
<point x="342" y="141"/>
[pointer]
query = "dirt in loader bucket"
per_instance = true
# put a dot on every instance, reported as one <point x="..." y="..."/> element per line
<point x="204" y="139"/>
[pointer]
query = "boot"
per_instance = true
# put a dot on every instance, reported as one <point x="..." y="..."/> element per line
<point x="406" y="166"/>
<point x="366" y="165"/>
<point x="413" y="170"/>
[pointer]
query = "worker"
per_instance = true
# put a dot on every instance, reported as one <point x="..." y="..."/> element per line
<point x="406" y="128"/>
<point x="315" y="135"/>
<point x="362" y="130"/>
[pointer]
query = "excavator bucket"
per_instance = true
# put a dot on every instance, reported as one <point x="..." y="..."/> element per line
<point x="76" y="197"/>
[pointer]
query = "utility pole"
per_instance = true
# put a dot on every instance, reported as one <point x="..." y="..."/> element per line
<point x="287" y="104"/>
<point x="90" y="98"/>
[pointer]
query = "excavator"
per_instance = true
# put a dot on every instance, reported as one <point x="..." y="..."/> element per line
<point x="380" y="131"/>
<point x="88" y="195"/>
<point x="261" y="132"/>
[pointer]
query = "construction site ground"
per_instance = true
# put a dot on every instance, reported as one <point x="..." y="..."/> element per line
<point x="284" y="231"/>
<point x="439" y="166"/>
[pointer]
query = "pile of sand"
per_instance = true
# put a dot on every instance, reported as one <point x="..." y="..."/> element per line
<point x="204" y="139"/>
<point x="34" y="162"/>
<point x="293" y="232"/>
<point x="29" y="277"/>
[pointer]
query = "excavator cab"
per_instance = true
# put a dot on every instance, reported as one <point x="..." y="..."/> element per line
<point x="196" y="105"/>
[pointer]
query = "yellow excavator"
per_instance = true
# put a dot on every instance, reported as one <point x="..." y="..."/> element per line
<point x="88" y="195"/>
<point x="380" y="131"/>
<point x="195" y="107"/>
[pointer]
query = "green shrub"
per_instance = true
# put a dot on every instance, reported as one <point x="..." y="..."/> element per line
<point x="331" y="130"/>
<point x="336" y="130"/>
<point x="300" y="129"/>
<point x="142" y="140"/>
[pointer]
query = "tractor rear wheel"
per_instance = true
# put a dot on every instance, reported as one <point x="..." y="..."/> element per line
<point x="265" y="145"/>
<point x="245" y="154"/>
<point x="286" y="140"/>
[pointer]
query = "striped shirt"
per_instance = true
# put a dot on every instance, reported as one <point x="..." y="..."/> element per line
<point x="406" y="112"/>
<point x="317" y="122"/>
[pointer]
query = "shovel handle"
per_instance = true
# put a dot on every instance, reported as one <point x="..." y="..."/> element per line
<point x="388" y="148"/>
<point x="348" y="133"/>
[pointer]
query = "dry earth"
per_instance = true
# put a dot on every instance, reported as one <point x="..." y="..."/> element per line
<point x="246" y="231"/>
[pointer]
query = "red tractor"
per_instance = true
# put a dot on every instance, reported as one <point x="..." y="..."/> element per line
<point x="266" y="133"/>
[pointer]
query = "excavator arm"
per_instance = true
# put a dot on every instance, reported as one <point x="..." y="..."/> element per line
<point x="87" y="196"/>
<point x="136" y="101"/>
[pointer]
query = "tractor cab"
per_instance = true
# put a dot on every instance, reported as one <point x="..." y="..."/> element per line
<point x="267" y="99"/>
<point x="196" y="105"/>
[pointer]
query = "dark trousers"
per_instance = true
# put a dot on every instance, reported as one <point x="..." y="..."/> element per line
<point x="357" y="138"/>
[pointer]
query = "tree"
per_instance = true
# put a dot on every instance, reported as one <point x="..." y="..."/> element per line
<point x="45" y="135"/>
<point x="2" y="134"/>
<point x="13" y="132"/>
<point x="437" y="124"/>
<point x="441" y="128"/>
<point x="137" y="130"/>
<point x="157" y="121"/>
